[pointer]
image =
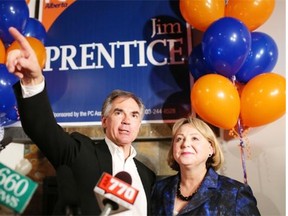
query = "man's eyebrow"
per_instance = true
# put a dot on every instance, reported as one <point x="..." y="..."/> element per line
<point x="118" y="110"/>
<point x="121" y="110"/>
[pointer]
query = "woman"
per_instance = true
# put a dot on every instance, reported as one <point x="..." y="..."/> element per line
<point x="197" y="189"/>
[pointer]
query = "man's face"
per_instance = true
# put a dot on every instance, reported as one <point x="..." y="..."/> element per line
<point x="123" y="121"/>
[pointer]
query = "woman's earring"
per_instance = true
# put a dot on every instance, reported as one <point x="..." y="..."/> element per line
<point x="210" y="155"/>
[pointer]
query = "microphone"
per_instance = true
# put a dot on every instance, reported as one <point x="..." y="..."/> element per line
<point x="16" y="189"/>
<point x="124" y="176"/>
<point x="4" y="142"/>
<point x="67" y="189"/>
<point x="115" y="193"/>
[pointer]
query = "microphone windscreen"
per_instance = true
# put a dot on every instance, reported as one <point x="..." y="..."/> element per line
<point x="124" y="176"/>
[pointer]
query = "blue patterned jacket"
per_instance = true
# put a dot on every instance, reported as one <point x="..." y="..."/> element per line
<point x="218" y="195"/>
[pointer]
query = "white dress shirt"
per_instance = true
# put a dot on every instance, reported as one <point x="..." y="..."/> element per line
<point x="120" y="164"/>
<point x="29" y="91"/>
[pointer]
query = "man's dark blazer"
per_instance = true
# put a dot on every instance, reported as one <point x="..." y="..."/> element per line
<point x="87" y="159"/>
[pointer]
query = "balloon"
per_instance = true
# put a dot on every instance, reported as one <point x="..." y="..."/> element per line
<point x="37" y="46"/>
<point x="263" y="99"/>
<point x="215" y="99"/>
<point x="12" y="115"/>
<point x="226" y="44"/>
<point x="253" y="13"/>
<point x="236" y="132"/>
<point x="8" y="111"/>
<point x="2" y="53"/>
<point x="7" y="98"/>
<point x="34" y="28"/>
<point x="239" y="86"/>
<point x="200" y="14"/>
<point x="12" y="13"/>
<point x="197" y="63"/>
<point x="261" y="58"/>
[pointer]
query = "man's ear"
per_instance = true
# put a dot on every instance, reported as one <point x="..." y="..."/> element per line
<point x="103" y="121"/>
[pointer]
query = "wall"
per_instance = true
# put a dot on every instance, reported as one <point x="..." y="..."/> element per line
<point x="266" y="144"/>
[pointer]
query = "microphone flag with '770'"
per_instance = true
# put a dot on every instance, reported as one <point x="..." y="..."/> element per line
<point x="16" y="190"/>
<point x="117" y="190"/>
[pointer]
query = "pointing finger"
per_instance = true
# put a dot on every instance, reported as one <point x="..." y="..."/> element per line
<point x="24" y="44"/>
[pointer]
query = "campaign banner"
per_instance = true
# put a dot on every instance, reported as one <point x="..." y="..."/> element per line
<point x="94" y="47"/>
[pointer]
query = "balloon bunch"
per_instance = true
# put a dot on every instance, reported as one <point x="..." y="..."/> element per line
<point x="234" y="87"/>
<point x="16" y="13"/>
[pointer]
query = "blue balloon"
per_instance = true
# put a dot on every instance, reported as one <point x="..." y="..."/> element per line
<point x="8" y="104"/>
<point x="12" y="13"/>
<point x="226" y="44"/>
<point x="34" y="28"/>
<point x="197" y="63"/>
<point x="7" y="97"/>
<point x="12" y="114"/>
<point x="261" y="58"/>
<point x="10" y="117"/>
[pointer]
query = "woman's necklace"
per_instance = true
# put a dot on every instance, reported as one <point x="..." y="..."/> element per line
<point x="185" y="198"/>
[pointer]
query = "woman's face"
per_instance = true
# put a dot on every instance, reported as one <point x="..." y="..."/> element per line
<point x="190" y="147"/>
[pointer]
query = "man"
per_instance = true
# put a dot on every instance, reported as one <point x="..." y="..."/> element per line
<point x="122" y="113"/>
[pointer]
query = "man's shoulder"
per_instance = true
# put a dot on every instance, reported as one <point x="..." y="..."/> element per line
<point x="81" y="137"/>
<point x="84" y="139"/>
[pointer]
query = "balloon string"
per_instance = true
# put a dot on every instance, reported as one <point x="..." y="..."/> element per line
<point x="233" y="79"/>
<point x="242" y="146"/>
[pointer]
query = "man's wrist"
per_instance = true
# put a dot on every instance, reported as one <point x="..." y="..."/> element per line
<point x="31" y="90"/>
<point x="32" y="81"/>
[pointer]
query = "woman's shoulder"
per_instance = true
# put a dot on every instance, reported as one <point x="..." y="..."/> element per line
<point x="230" y="182"/>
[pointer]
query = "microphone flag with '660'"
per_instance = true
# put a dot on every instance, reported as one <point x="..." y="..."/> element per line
<point x="16" y="190"/>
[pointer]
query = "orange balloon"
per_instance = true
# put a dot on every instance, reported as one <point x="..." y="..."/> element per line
<point x="239" y="86"/>
<point x="216" y="100"/>
<point x="37" y="46"/>
<point x="201" y="13"/>
<point x="241" y="131"/>
<point x="2" y="53"/>
<point x="263" y="99"/>
<point x="253" y="13"/>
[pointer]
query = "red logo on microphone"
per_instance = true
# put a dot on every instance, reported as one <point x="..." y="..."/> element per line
<point x="118" y="188"/>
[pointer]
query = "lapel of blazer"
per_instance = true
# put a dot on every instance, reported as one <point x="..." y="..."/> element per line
<point x="143" y="176"/>
<point x="169" y="194"/>
<point x="205" y="191"/>
<point x="104" y="157"/>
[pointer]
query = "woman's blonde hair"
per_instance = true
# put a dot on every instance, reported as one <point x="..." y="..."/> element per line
<point x="216" y="160"/>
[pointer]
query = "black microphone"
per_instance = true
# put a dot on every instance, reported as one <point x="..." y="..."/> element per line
<point x="124" y="176"/>
<point x="115" y="193"/>
<point x="67" y="190"/>
<point x="4" y="142"/>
